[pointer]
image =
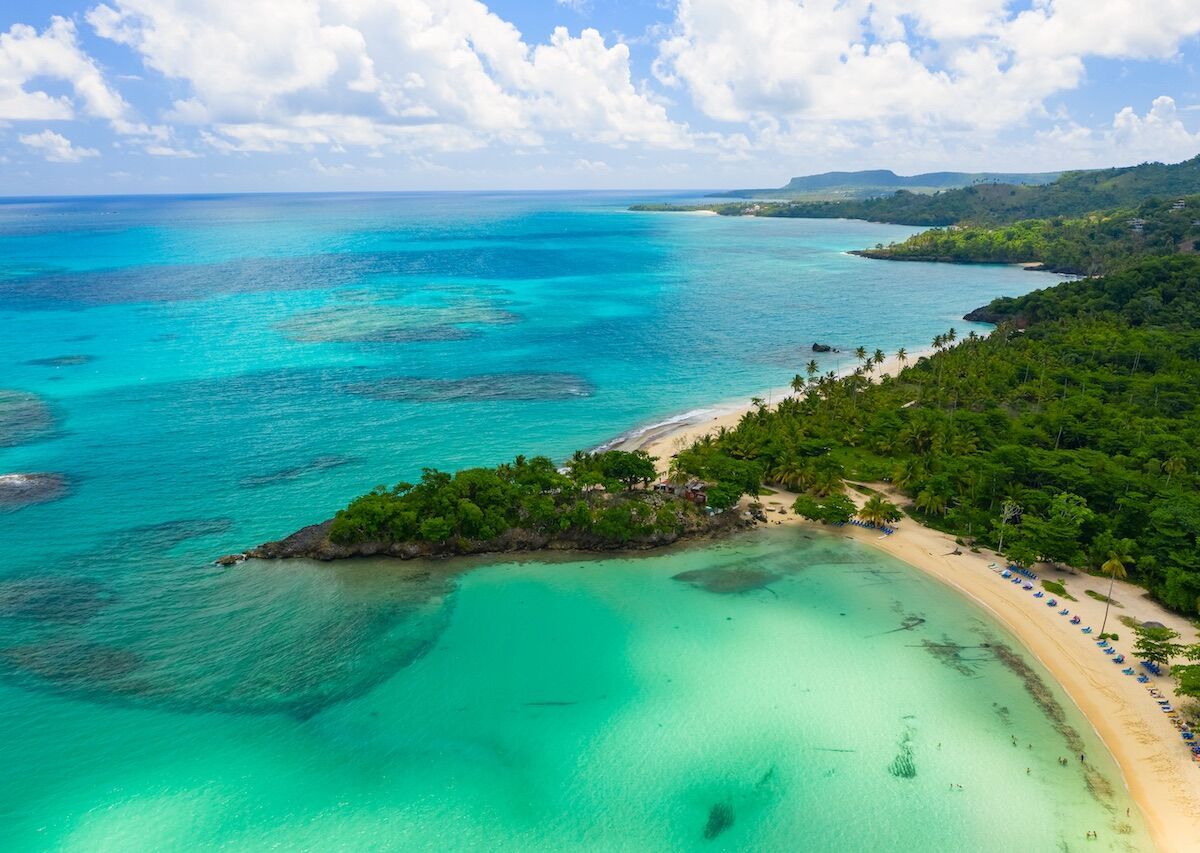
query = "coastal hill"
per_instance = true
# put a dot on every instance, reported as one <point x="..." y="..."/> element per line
<point x="593" y="503"/>
<point x="876" y="182"/>
<point x="1095" y="244"/>
<point x="1073" y="194"/>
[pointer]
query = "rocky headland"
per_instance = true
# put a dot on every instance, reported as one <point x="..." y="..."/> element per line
<point x="313" y="542"/>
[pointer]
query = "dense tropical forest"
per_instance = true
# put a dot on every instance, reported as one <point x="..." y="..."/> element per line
<point x="1087" y="245"/>
<point x="1075" y="440"/>
<point x="1073" y="195"/>
<point x="597" y="501"/>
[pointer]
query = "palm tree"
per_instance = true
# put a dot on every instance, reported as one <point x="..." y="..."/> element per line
<point x="879" y="357"/>
<point x="811" y="368"/>
<point x="797" y="383"/>
<point x="878" y="511"/>
<point x="909" y="472"/>
<point x="1010" y="510"/>
<point x="860" y="353"/>
<point x="902" y="357"/>
<point x="931" y="502"/>
<point x="951" y="335"/>
<point x="1174" y="465"/>
<point x="825" y="483"/>
<point x="1114" y="567"/>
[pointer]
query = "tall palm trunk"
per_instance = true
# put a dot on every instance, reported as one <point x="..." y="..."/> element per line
<point x="1112" y="579"/>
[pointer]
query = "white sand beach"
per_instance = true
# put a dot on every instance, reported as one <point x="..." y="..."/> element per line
<point x="1156" y="765"/>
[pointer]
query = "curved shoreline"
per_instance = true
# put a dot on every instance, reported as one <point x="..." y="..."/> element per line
<point x="665" y="437"/>
<point x="1154" y="765"/>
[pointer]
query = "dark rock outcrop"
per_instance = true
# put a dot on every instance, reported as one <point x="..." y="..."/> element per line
<point x="988" y="314"/>
<point x="313" y="542"/>
<point x="19" y="490"/>
<point x="985" y="314"/>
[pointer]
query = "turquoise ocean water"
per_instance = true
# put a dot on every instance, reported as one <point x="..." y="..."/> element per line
<point x="206" y="373"/>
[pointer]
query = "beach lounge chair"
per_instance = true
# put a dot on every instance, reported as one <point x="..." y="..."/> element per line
<point x="1102" y="643"/>
<point x="1050" y="602"/>
<point x="1088" y="629"/>
<point x="1142" y="679"/>
<point x="1027" y="586"/>
<point x="1128" y="670"/>
<point x="1075" y="620"/>
<point x="1109" y="650"/>
<point x="1038" y="594"/>
<point x="1119" y="659"/>
<point x="1063" y="612"/>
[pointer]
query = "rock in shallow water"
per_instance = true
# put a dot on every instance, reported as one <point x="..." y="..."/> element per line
<point x="50" y="599"/>
<point x="720" y="818"/>
<point x="293" y="472"/>
<point x="23" y="417"/>
<point x="727" y="580"/>
<point x="76" y="664"/>
<point x="61" y="361"/>
<point x="21" y="490"/>
<point x="490" y="386"/>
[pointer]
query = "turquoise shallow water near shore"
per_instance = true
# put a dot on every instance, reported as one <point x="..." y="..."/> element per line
<point x="207" y="373"/>
<point x="604" y="705"/>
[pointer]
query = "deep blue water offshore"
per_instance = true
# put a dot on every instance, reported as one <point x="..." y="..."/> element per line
<point x="205" y="373"/>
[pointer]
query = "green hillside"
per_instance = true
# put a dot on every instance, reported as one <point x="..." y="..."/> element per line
<point x="1074" y="194"/>
<point x="1071" y="441"/>
<point x="832" y="186"/>
<point x="1087" y="245"/>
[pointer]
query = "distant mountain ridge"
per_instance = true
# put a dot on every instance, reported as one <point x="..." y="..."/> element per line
<point x="1073" y="194"/>
<point x="868" y="182"/>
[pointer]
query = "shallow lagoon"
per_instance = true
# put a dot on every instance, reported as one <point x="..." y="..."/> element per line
<point x="603" y="704"/>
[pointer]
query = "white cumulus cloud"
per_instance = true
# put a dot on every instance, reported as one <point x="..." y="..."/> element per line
<point x="56" y="148"/>
<point x="29" y="58"/>
<point x="859" y="68"/>
<point x="265" y="75"/>
<point x="1158" y="134"/>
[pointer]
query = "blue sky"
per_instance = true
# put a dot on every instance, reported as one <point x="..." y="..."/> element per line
<point x="259" y="95"/>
